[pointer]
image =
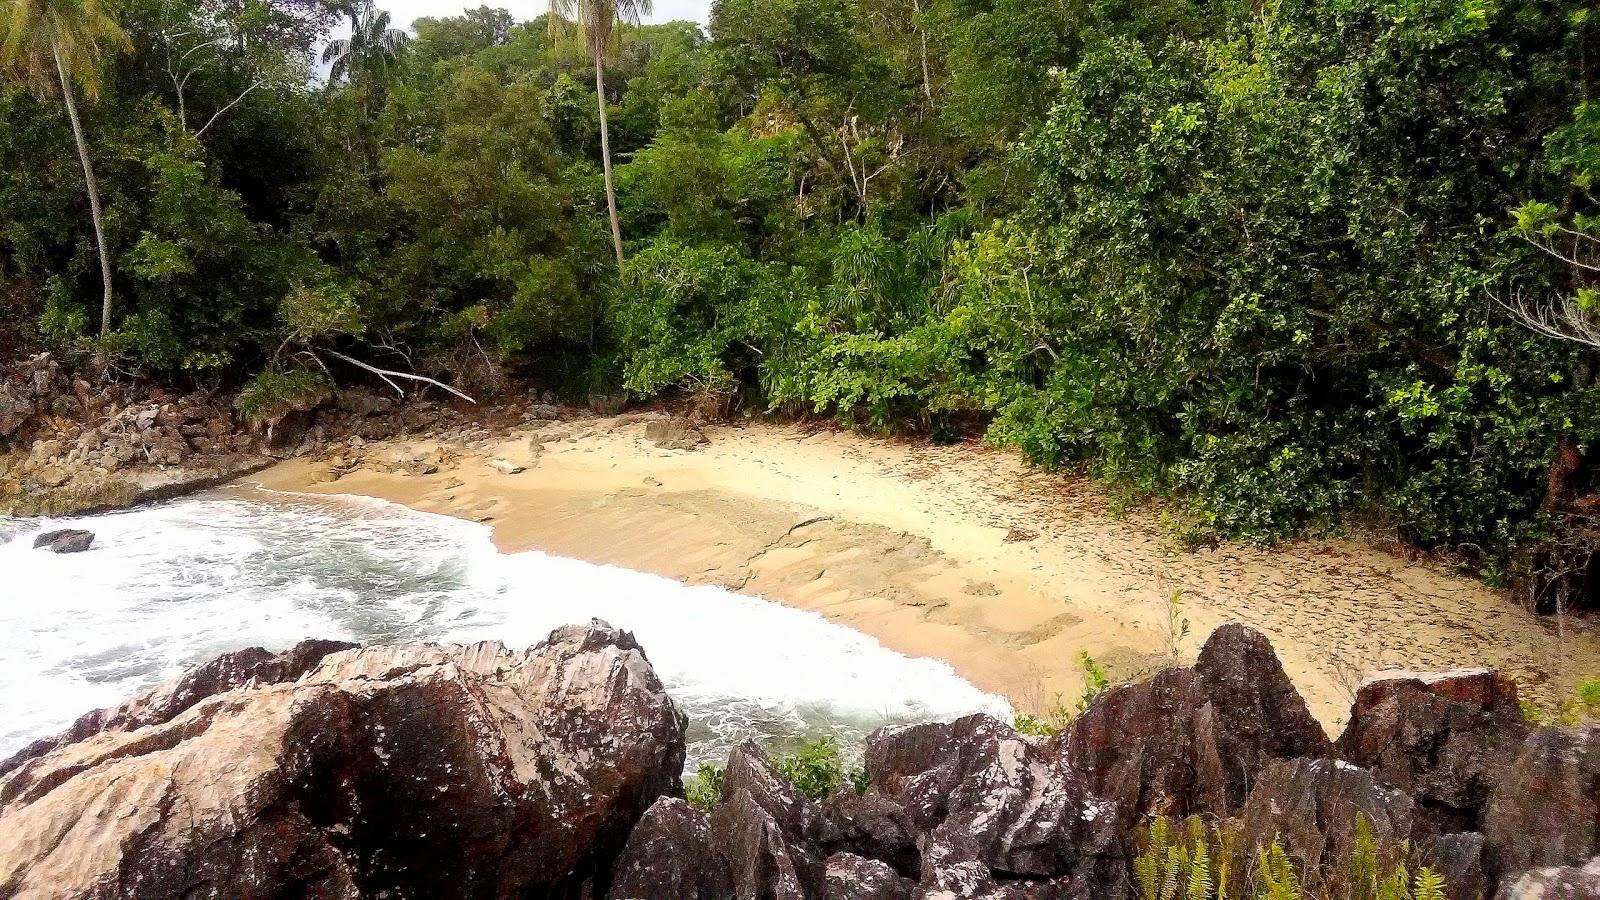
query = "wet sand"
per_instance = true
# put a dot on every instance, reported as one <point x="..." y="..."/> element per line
<point x="962" y="552"/>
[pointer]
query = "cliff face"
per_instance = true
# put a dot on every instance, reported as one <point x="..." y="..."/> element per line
<point x="429" y="771"/>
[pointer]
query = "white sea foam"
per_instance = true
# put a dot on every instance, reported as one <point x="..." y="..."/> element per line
<point x="166" y="586"/>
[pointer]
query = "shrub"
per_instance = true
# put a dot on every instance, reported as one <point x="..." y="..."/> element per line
<point x="703" y="790"/>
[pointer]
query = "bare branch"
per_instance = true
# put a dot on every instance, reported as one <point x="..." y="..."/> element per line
<point x="1560" y="318"/>
<point x="385" y="374"/>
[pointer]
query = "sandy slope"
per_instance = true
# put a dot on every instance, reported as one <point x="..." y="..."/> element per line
<point x="962" y="553"/>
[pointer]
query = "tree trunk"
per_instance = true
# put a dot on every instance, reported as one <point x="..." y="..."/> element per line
<point x="605" y="155"/>
<point x="94" y="190"/>
<point x="927" y="81"/>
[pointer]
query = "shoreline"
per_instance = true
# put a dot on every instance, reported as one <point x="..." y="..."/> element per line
<point x="961" y="553"/>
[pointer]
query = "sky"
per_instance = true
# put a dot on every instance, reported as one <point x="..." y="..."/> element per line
<point x="402" y="12"/>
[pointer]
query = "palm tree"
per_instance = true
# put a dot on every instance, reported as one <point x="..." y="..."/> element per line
<point x="598" y="19"/>
<point x="371" y="48"/>
<point x="67" y="40"/>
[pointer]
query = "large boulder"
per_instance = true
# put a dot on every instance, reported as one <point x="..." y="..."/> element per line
<point x="671" y="853"/>
<point x="1190" y="740"/>
<point x="1545" y="809"/>
<point x="414" y="771"/>
<point x="1444" y="738"/>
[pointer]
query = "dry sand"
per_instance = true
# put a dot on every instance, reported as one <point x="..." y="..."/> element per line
<point x="962" y="553"/>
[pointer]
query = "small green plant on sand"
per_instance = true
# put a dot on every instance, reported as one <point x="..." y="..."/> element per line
<point x="1046" y="723"/>
<point x="1095" y="679"/>
<point x="1177" y="624"/>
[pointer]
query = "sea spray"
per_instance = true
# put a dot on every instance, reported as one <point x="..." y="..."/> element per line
<point x="170" y="585"/>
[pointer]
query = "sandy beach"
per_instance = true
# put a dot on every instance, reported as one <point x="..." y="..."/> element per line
<point x="963" y="553"/>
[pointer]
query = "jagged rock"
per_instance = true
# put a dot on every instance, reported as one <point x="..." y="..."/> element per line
<point x="413" y="771"/>
<point x="506" y="467"/>
<point x="1311" y="806"/>
<point x="872" y="825"/>
<point x="764" y="863"/>
<point x="671" y="853"/>
<point x="987" y="792"/>
<point x="674" y="434"/>
<point x="548" y="411"/>
<point x="1446" y="739"/>
<point x="1544" y="809"/>
<point x="1555" y="883"/>
<point x="1189" y="740"/>
<point x="70" y="540"/>
<point x="162" y="703"/>
<point x="919" y="766"/>
<point x="850" y="877"/>
<point x="1458" y="858"/>
<point x="750" y="770"/>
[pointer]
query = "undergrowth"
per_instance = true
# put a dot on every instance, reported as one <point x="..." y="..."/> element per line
<point x="1197" y="861"/>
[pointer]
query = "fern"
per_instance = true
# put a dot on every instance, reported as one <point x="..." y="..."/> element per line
<point x="1429" y="885"/>
<point x="1199" y="885"/>
<point x="1278" y="880"/>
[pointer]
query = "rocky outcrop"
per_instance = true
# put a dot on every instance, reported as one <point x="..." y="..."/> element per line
<point x="1190" y="740"/>
<point x="70" y="540"/>
<point x="160" y="704"/>
<point x="399" y="771"/>
<point x="333" y="771"/>
<point x="1544" y="809"/>
<point x="1446" y="739"/>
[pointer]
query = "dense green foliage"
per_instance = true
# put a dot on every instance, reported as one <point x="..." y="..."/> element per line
<point x="1253" y="257"/>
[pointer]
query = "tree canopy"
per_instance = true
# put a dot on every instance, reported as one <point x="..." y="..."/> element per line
<point x="1275" y="262"/>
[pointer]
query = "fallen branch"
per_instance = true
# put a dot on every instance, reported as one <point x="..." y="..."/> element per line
<point x="387" y="374"/>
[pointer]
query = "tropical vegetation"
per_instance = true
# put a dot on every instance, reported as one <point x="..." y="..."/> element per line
<point x="1276" y="262"/>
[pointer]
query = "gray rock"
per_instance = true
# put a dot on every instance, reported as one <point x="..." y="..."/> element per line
<point x="850" y="877"/>
<point x="1544" y="809"/>
<point x="1311" y="806"/>
<point x="70" y="540"/>
<point x="1556" y="883"/>
<point x="674" y="434"/>
<point x="766" y="864"/>
<point x="671" y="853"/>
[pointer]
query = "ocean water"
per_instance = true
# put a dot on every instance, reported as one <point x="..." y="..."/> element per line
<point x="170" y="585"/>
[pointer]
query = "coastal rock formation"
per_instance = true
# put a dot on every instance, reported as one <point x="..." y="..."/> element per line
<point x="1444" y="738"/>
<point x="1190" y="740"/>
<point x="160" y="704"/>
<point x="423" y="770"/>
<point x="403" y="771"/>
<point x="70" y="540"/>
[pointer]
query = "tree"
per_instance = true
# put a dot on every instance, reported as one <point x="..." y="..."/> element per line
<point x="598" y="19"/>
<point x="370" y="50"/>
<point x="69" y="38"/>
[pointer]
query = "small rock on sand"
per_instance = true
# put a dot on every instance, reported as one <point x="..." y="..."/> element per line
<point x="506" y="467"/>
<point x="674" y="434"/>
